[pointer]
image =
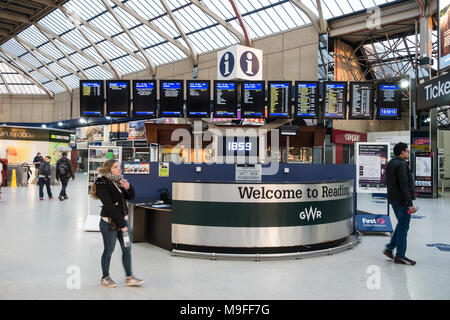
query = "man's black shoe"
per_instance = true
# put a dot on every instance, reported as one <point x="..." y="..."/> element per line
<point x="66" y="197"/>
<point x="388" y="253"/>
<point x="60" y="198"/>
<point x="404" y="260"/>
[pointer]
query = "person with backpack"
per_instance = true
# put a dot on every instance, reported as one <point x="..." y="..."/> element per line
<point x="44" y="175"/>
<point x="64" y="171"/>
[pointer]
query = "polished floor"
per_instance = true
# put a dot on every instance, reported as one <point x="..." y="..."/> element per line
<point x="45" y="254"/>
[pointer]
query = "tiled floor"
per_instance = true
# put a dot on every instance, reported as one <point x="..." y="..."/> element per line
<point x="44" y="248"/>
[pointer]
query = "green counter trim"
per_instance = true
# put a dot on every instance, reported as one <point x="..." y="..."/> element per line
<point x="226" y="214"/>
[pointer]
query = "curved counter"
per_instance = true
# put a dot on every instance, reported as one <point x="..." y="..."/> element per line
<point x="276" y="216"/>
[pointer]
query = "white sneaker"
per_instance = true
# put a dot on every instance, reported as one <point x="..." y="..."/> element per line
<point x="133" y="282"/>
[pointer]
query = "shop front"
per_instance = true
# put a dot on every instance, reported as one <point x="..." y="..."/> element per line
<point x="343" y="145"/>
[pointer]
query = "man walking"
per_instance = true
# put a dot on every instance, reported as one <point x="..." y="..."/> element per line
<point x="400" y="190"/>
<point x="64" y="171"/>
<point x="44" y="174"/>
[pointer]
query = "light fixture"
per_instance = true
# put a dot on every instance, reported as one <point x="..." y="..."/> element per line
<point x="108" y="118"/>
<point x="44" y="126"/>
<point x="404" y="83"/>
<point x="60" y="124"/>
<point x="82" y="120"/>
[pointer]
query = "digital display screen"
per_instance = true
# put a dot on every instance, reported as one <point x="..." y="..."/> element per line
<point x="91" y="98"/>
<point x="171" y="98"/>
<point x="144" y="98"/>
<point x="388" y="101"/>
<point x="253" y="96"/>
<point x="306" y="99"/>
<point x="361" y="100"/>
<point x="118" y="98"/>
<point x="334" y="100"/>
<point x="225" y="99"/>
<point x="280" y="95"/>
<point x="198" y="99"/>
<point x="240" y="149"/>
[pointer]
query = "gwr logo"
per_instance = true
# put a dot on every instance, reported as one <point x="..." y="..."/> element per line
<point x="310" y="214"/>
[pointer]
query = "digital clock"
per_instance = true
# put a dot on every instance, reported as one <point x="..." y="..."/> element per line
<point x="239" y="146"/>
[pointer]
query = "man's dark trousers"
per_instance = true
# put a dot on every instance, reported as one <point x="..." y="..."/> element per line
<point x="401" y="230"/>
<point x="64" y="183"/>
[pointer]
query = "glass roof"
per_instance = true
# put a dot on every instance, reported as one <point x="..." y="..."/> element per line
<point x="61" y="49"/>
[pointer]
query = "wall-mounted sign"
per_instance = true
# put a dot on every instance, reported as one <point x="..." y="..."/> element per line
<point x="434" y="92"/>
<point x="347" y="137"/>
<point x="239" y="62"/>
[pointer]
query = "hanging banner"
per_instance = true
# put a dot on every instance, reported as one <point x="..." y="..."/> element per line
<point x="239" y="62"/>
<point x="444" y="33"/>
<point x="371" y="162"/>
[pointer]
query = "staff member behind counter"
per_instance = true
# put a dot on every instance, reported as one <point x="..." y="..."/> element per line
<point x="113" y="190"/>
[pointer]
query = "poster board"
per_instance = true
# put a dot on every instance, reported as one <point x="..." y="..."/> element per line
<point x="371" y="161"/>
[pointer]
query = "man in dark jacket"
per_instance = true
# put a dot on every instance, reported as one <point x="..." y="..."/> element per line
<point x="64" y="171"/>
<point x="44" y="175"/>
<point x="400" y="190"/>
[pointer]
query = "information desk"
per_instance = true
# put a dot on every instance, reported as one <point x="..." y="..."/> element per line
<point x="261" y="217"/>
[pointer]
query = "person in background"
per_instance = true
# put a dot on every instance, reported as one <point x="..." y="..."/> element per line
<point x="113" y="190"/>
<point x="3" y="174"/>
<point x="64" y="171"/>
<point x="37" y="162"/>
<point x="400" y="191"/>
<point x="44" y="175"/>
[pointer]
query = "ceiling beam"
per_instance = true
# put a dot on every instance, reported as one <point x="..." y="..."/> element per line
<point x="193" y="52"/>
<point x="75" y="16"/>
<point x="148" y="62"/>
<point x="15" y="58"/>
<point x="30" y="47"/>
<point x="72" y="61"/>
<point x="248" y="40"/>
<point x="148" y="24"/>
<point x="27" y="75"/>
<point x="5" y="83"/>
<point x="74" y="48"/>
<point x="14" y="17"/>
<point x="311" y="15"/>
<point x="93" y="44"/>
<point x="55" y="76"/>
<point x="222" y="22"/>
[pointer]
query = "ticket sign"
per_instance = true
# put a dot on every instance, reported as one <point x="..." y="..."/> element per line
<point x="279" y="100"/>
<point x="306" y="99"/>
<point x="225" y="99"/>
<point x="388" y="101"/>
<point x="361" y="101"/>
<point x="334" y="100"/>
<point x="118" y="101"/>
<point x="144" y="98"/>
<point x="91" y="98"/>
<point x="253" y="96"/>
<point x="171" y="98"/>
<point x="198" y="99"/>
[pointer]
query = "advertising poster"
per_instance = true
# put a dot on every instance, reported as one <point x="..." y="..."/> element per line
<point x="23" y="151"/>
<point x="164" y="169"/>
<point x="54" y="150"/>
<point x="371" y="162"/>
<point x="136" y="168"/>
<point x="444" y="33"/>
<point x="136" y="130"/>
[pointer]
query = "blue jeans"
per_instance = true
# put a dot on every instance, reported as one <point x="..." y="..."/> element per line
<point x="401" y="230"/>
<point x="109" y="242"/>
<point x="46" y="182"/>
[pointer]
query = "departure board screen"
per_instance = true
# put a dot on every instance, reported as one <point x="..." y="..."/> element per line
<point x="225" y="99"/>
<point x="118" y="98"/>
<point x="253" y="96"/>
<point x="144" y="98"/>
<point x="361" y="100"/>
<point x="198" y="99"/>
<point x="334" y="100"/>
<point x="279" y="100"/>
<point x="171" y="98"/>
<point x="306" y="99"/>
<point x="388" y="101"/>
<point x="91" y="98"/>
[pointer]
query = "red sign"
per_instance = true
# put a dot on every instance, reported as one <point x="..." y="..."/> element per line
<point x="422" y="141"/>
<point x="348" y="137"/>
